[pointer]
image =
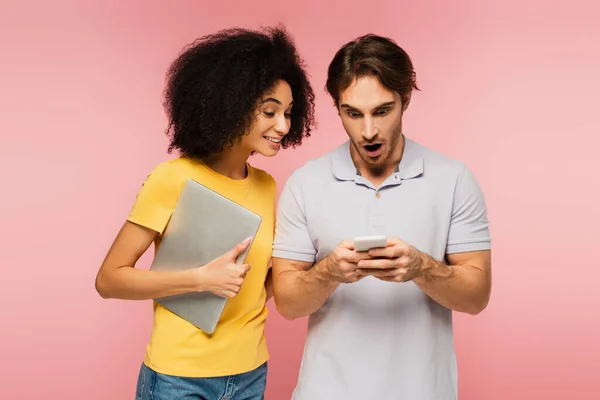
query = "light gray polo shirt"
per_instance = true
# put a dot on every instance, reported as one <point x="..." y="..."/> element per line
<point x="374" y="339"/>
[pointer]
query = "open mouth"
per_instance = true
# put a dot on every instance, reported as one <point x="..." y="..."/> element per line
<point x="373" y="147"/>
<point x="374" y="150"/>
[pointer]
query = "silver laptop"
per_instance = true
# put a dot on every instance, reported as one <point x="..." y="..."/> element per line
<point x="204" y="226"/>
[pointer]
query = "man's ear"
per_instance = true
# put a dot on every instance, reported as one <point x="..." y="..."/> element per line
<point x="406" y="100"/>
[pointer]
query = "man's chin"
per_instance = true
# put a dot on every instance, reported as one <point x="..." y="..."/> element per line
<point x="372" y="160"/>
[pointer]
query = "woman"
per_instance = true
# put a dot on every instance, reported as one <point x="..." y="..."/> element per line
<point x="228" y="95"/>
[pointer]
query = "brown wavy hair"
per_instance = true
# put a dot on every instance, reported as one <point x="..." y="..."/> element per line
<point x="371" y="55"/>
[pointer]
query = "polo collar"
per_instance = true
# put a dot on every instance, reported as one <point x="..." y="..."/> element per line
<point x="411" y="164"/>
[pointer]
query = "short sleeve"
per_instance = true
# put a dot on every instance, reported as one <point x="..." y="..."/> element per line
<point x="469" y="225"/>
<point x="156" y="199"/>
<point x="292" y="238"/>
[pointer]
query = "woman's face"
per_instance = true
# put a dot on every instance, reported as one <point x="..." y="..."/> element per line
<point x="272" y="121"/>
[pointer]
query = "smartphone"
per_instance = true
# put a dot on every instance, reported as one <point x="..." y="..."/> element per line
<point x="366" y="243"/>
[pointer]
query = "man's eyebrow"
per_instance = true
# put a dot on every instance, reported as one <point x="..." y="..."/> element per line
<point x="348" y="106"/>
<point x="386" y="104"/>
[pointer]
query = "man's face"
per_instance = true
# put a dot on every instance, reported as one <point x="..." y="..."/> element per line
<point x="372" y="117"/>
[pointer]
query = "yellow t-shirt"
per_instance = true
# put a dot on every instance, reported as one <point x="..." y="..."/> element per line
<point x="238" y="344"/>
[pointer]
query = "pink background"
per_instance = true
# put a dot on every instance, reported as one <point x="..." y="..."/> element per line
<point x="510" y="88"/>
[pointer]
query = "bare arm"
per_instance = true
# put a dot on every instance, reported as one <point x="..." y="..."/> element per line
<point x="464" y="285"/>
<point x="118" y="277"/>
<point x="299" y="287"/>
<point x="269" y="284"/>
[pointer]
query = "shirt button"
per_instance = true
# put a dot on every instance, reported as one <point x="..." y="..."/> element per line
<point x="378" y="195"/>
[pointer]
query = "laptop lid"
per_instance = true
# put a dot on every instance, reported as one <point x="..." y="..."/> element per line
<point x="204" y="226"/>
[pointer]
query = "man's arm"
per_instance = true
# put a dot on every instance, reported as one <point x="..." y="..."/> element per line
<point x="300" y="288"/>
<point x="269" y="284"/>
<point x="464" y="285"/>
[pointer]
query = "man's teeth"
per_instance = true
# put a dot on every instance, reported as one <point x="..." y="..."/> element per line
<point x="272" y="139"/>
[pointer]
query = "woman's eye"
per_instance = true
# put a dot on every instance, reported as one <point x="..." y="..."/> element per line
<point x="269" y="114"/>
<point x="288" y="115"/>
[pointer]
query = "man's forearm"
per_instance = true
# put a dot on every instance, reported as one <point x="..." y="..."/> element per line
<point x="269" y="284"/>
<point x="463" y="288"/>
<point x="299" y="293"/>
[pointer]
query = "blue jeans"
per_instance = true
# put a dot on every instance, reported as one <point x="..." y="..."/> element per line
<point x="247" y="386"/>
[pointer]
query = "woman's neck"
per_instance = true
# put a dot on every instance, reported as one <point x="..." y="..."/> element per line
<point x="230" y="163"/>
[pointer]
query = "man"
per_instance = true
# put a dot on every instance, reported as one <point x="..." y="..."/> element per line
<point x="380" y="324"/>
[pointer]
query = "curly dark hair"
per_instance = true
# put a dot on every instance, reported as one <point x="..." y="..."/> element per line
<point x="214" y="85"/>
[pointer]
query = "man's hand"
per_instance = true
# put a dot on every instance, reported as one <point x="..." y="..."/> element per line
<point x="397" y="262"/>
<point x="464" y="285"/>
<point x="341" y="264"/>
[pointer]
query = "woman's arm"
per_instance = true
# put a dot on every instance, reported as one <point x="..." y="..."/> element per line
<point x="118" y="278"/>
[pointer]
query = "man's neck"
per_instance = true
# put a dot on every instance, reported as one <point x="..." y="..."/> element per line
<point x="378" y="174"/>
